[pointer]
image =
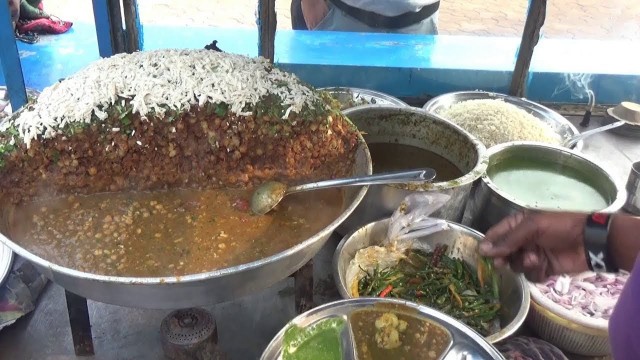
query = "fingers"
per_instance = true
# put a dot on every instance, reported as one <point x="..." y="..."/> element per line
<point x="503" y="227"/>
<point x="509" y="236"/>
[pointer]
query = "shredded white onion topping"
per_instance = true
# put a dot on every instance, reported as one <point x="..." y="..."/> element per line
<point x="155" y="80"/>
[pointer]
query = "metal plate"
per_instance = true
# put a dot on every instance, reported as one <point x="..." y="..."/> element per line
<point x="557" y="122"/>
<point x="466" y="344"/>
<point x="362" y="97"/>
<point x="624" y="130"/>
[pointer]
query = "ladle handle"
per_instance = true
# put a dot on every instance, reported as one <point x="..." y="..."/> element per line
<point x="574" y="139"/>
<point x="399" y="177"/>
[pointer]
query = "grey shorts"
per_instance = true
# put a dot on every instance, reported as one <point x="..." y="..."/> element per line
<point x="338" y="20"/>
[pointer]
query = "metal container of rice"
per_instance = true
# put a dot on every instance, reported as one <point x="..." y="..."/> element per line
<point x="498" y="118"/>
<point x="376" y="328"/>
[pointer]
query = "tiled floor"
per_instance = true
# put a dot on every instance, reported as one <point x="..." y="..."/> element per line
<point x="576" y="19"/>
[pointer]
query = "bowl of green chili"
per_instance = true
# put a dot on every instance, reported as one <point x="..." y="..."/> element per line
<point x="442" y="271"/>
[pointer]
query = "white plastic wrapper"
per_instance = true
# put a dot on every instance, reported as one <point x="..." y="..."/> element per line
<point x="411" y="219"/>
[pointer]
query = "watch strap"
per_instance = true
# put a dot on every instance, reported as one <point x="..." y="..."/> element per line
<point x="596" y="246"/>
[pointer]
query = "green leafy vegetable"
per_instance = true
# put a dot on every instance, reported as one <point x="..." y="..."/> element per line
<point x="444" y="283"/>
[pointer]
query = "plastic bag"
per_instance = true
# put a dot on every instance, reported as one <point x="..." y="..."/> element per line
<point x="411" y="219"/>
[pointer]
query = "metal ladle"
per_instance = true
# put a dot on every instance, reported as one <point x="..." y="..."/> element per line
<point x="269" y="194"/>
<point x="570" y="142"/>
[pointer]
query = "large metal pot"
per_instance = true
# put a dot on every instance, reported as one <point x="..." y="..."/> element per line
<point x="489" y="204"/>
<point x="412" y="126"/>
<point x="197" y="289"/>
<point x="463" y="243"/>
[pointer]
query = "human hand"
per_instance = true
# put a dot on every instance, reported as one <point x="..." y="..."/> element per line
<point x="313" y="12"/>
<point x="538" y="244"/>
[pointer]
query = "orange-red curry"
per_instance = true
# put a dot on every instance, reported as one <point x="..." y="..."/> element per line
<point x="167" y="233"/>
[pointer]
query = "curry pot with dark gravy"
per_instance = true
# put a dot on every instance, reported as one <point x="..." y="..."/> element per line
<point x="167" y="233"/>
<point x="396" y="157"/>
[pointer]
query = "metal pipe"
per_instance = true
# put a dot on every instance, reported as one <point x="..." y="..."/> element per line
<point x="10" y="60"/>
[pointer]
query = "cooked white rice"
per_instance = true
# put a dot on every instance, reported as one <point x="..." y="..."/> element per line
<point x="494" y="122"/>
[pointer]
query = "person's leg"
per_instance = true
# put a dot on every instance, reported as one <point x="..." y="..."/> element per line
<point x="14" y="10"/>
<point x="297" y="18"/>
<point x="29" y="10"/>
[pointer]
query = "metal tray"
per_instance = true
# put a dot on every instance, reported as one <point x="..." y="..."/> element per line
<point x="557" y="122"/>
<point x="364" y="96"/>
<point x="465" y="344"/>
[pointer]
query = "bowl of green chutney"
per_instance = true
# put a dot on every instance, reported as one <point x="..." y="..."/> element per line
<point x="535" y="176"/>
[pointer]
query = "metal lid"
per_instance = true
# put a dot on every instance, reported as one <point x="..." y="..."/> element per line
<point x="465" y="344"/>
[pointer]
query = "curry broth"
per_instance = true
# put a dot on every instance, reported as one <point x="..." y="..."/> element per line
<point x="388" y="157"/>
<point x="167" y="233"/>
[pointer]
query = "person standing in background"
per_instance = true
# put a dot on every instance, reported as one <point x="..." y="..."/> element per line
<point x="389" y="16"/>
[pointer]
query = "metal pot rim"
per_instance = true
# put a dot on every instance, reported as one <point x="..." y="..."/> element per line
<point x="550" y="113"/>
<point x="504" y="332"/>
<point x="471" y="176"/>
<point x="372" y="93"/>
<point x="617" y="203"/>
<point x="166" y="280"/>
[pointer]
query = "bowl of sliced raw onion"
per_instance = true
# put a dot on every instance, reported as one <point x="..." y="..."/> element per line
<point x="572" y="312"/>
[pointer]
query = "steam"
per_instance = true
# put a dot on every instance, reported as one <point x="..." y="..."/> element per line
<point x="579" y="85"/>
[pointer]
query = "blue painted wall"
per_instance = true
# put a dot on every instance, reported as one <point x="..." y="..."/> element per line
<point x="401" y="65"/>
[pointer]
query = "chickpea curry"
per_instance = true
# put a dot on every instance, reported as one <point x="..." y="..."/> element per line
<point x="167" y="233"/>
<point x="382" y="334"/>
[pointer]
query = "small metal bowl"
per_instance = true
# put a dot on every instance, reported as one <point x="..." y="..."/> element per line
<point x="464" y="344"/>
<point x="557" y="122"/>
<point x="354" y="97"/>
<point x="462" y="242"/>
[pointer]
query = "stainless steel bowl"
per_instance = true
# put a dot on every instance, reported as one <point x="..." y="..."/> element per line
<point x="466" y="344"/>
<point x="197" y="289"/>
<point x="489" y="204"/>
<point x="462" y="242"/>
<point x="557" y="122"/>
<point x="411" y="126"/>
<point x="359" y="97"/>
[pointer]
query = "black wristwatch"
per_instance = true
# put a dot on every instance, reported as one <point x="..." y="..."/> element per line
<point x="596" y="246"/>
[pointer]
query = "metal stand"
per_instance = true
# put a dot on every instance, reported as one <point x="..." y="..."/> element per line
<point x="80" y="324"/>
<point x="303" y="287"/>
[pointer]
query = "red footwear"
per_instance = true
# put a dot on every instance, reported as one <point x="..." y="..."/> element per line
<point x="44" y="26"/>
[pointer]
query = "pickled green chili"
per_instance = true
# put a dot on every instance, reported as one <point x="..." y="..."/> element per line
<point x="444" y="283"/>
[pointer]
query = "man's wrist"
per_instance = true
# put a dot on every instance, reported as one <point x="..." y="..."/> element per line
<point x="596" y="245"/>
